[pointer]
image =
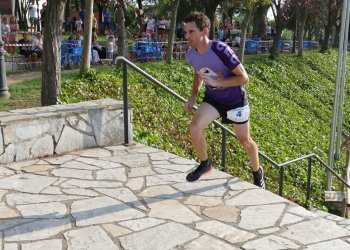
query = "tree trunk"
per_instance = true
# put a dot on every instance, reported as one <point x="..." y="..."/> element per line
<point x="85" y="60"/>
<point x="276" y="41"/>
<point x="336" y="36"/>
<point x="325" y="41"/>
<point x="67" y="10"/>
<point x="77" y="6"/>
<point x="328" y="29"/>
<point x="121" y="33"/>
<point x="210" y="8"/>
<point x="83" y="4"/>
<point x="301" y="27"/>
<point x="259" y="21"/>
<point x="171" y="38"/>
<point x="211" y="14"/>
<point x="296" y="28"/>
<point x="244" y="26"/>
<point x="51" y="72"/>
<point x="139" y="3"/>
<point x="100" y="10"/>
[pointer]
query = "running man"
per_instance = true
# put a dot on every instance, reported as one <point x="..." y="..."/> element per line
<point x="224" y="76"/>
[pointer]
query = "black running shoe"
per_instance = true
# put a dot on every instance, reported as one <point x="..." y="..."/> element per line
<point x="199" y="171"/>
<point x="259" y="178"/>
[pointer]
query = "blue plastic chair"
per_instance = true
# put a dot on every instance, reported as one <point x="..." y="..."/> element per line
<point x="150" y="51"/>
<point x="252" y="46"/>
<point x="281" y="45"/>
<point x="63" y="53"/>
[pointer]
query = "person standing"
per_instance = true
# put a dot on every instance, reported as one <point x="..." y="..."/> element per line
<point x="33" y="16"/>
<point x="224" y="76"/>
<point x="110" y="49"/>
<point x="5" y="32"/>
<point x="94" y="25"/>
<point x="82" y="17"/>
<point x="42" y="17"/>
<point x="106" y="20"/>
<point x="151" y="23"/>
<point x="14" y="28"/>
<point x="162" y="23"/>
<point x="79" y="26"/>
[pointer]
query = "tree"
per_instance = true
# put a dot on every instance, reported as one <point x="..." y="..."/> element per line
<point x="119" y="6"/>
<point x="247" y="8"/>
<point x="171" y="36"/>
<point x="85" y="61"/>
<point x="210" y="9"/>
<point x="283" y="11"/>
<point x="51" y="73"/>
<point x="303" y="8"/>
<point x="259" y="20"/>
<point x="67" y="10"/>
<point x="316" y="20"/>
<point x="333" y="7"/>
<point x="139" y="3"/>
<point x="21" y="10"/>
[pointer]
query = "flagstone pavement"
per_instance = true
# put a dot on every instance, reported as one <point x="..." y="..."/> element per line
<point x="136" y="197"/>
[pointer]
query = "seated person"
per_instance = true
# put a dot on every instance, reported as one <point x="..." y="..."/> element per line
<point x="102" y="51"/>
<point x="25" y="49"/>
<point x="37" y="47"/>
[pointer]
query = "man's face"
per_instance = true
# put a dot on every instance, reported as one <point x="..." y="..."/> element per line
<point x="193" y="35"/>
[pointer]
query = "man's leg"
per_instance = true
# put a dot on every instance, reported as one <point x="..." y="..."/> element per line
<point x="201" y="119"/>
<point x="243" y="136"/>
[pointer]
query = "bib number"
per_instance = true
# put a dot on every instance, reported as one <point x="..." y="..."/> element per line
<point x="240" y="114"/>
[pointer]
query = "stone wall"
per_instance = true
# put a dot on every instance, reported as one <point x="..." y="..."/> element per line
<point x="20" y="62"/>
<point x="44" y="131"/>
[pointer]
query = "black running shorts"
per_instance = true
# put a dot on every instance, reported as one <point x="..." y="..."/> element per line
<point x="242" y="110"/>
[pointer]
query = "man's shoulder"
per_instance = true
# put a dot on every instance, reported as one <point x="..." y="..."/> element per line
<point x="190" y="54"/>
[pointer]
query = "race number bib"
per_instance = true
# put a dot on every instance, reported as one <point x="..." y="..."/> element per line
<point x="240" y="114"/>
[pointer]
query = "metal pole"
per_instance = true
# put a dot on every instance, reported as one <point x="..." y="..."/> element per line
<point x="308" y="181"/>
<point x="223" y="150"/>
<point x="347" y="178"/>
<point x="342" y="90"/>
<point x="4" y="93"/>
<point x="125" y="100"/>
<point x="336" y="96"/>
<point x="280" y="192"/>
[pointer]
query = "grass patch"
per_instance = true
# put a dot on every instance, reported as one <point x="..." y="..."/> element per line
<point x="291" y="109"/>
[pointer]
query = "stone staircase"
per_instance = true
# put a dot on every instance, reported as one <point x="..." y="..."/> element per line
<point x="66" y="182"/>
<point x="136" y="197"/>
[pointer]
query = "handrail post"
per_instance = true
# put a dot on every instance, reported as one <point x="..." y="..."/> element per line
<point x="308" y="181"/>
<point x="280" y="192"/>
<point x="125" y="105"/>
<point x="223" y="150"/>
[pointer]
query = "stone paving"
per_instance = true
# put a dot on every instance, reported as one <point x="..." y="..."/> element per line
<point x="136" y="197"/>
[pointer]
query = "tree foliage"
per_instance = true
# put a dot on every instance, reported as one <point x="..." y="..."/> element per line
<point x="283" y="12"/>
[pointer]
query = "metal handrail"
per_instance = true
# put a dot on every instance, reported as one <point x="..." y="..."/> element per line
<point x="125" y="62"/>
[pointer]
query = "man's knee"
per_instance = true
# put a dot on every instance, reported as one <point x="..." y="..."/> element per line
<point x="195" y="128"/>
<point x="246" y="142"/>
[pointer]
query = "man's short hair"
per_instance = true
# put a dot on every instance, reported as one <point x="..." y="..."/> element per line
<point x="201" y="20"/>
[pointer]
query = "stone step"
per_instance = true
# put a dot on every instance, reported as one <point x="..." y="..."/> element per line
<point x="136" y="197"/>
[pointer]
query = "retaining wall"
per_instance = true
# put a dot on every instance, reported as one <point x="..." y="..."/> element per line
<point x="44" y="131"/>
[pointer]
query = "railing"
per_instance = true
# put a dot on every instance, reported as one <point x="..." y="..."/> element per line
<point x="281" y="166"/>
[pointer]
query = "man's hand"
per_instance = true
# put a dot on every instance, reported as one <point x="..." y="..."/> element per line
<point x="189" y="104"/>
<point x="208" y="80"/>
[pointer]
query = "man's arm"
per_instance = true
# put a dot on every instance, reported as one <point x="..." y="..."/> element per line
<point x="239" y="78"/>
<point x="197" y="83"/>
